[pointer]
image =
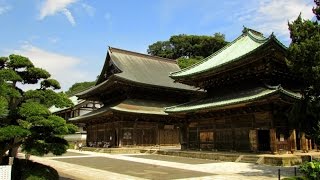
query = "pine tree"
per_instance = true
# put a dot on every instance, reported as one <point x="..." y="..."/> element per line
<point x="24" y="116"/>
<point x="304" y="59"/>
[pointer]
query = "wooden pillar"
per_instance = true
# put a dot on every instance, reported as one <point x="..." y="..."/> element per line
<point x="119" y="134"/>
<point x="293" y="140"/>
<point x="273" y="141"/>
<point x="253" y="139"/>
<point x="135" y="133"/>
<point x="183" y="136"/>
<point x="303" y="142"/>
<point x="310" y="144"/>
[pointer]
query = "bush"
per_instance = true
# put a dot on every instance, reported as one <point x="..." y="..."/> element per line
<point x="28" y="170"/>
<point x="311" y="170"/>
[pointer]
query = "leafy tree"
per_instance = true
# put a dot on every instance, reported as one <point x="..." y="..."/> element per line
<point x="316" y="10"/>
<point x="304" y="59"/>
<point x="24" y="116"/>
<point x="188" y="48"/>
<point x="78" y="87"/>
<point x="186" y="62"/>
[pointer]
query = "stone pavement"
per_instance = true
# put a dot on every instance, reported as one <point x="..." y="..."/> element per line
<point x="93" y="165"/>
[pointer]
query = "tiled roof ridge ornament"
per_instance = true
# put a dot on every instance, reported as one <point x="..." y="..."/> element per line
<point x="246" y="30"/>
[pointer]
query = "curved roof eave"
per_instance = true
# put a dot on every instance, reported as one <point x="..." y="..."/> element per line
<point x="178" y="74"/>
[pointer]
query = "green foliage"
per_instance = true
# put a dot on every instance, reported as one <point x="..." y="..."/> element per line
<point x="24" y="116"/>
<point x="9" y="75"/>
<point x="311" y="170"/>
<point x="48" y="98"/>
<point x="304" y="60"/>
<point x="32" y="75"/>
<point x="187" y="46"/>
<point x="3" y="61"/>
<point x="316" y="10"/>
<point x="29" y="109"/>
<point x="17" y="61"/>
<point x="3" y="107"/>
<point x="186" y="62"/>
<point x="50" y="83"/>
<point x="12" y="131"/>
<point x="304" y="52"/>
<point x="79" y="87"/>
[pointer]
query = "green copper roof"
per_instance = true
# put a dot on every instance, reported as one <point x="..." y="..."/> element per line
<point x="245" y="96"/>
<point x="245" y="44"/>
<point x="133" y="106"/>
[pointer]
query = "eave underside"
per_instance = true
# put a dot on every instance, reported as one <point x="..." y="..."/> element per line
<point x="236" y="99"/>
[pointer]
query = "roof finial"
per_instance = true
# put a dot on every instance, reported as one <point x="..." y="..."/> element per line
<point x="272" y="35"/>
<point x="246" y="30"/>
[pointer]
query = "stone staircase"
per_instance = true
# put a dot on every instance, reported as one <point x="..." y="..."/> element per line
<point x="250" y="159"/>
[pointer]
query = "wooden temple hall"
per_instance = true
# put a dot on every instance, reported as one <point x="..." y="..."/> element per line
<point x="235" y="99"/>
<point x="134" y="89"/>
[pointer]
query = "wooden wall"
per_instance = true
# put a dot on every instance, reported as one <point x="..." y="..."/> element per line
<point x="228" y="133"/>
<point x="117" y="134"/>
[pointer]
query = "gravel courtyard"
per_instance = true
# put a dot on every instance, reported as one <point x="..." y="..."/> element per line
<point x="92" y="165"/>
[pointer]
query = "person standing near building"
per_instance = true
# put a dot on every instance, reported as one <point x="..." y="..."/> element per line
<point x="80" y="146"/>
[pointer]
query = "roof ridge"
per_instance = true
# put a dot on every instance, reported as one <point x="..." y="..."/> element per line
<point x="252" y="34"/>
<point x="272" y="36"/>
<point x="143" y="55"/>
<point x="209" y="57"/>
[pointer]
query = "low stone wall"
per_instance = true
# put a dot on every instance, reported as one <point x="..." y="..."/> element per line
<point x="201" y="155"/>
<point x="113" y="150"/>
<point x="263" y="159"/>
<point x="282" y="161"/>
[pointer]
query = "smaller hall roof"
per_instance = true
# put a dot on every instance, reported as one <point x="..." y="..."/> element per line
<point x="247" y="43"/>
<point x="233" y="99"/>
<point x="132" y="106"/>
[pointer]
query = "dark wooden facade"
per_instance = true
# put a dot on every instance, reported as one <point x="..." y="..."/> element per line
<point x="135" y="89"/>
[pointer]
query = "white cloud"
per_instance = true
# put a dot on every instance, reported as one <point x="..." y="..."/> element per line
<point x="69" y="16"/>
<point x="61" y="67"/>
<point x="51" y="7"/>
<point x="273" y="15"/>
<point x="4" y="9"/>
<point x="89" y="9"/>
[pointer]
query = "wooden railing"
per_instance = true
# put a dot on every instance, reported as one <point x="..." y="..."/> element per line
<point x="283" y="146"/>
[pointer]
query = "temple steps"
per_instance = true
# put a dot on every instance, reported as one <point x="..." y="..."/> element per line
<point x="249" y="159"/>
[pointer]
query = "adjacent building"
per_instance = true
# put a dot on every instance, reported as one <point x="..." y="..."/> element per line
<point x="134" y="89"/>
<point x="80" y="107"/>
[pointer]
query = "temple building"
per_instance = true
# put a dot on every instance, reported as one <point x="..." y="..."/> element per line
<point x="134" y="89"/>
<point x="249" y="92"/>
<point x="80" y="107"/>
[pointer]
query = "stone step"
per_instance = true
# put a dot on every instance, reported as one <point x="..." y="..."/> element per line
<point x="249" y="159"/>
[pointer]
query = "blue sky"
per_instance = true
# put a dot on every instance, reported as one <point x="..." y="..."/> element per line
<point x="69" y="38"/>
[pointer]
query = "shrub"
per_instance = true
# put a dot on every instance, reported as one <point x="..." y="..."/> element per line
<point x="311" y="170"/>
